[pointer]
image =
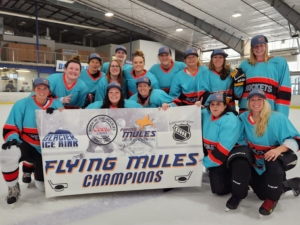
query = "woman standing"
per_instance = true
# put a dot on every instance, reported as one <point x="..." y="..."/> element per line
<point x="273" y="140"/>
<point x="138" y="71"/>
<point x="269" y="74"/>
<point x="92" y="76"/>
<point x="150" y="98"/>
<point x="166" y="69"/>
<point x="185" y="84"/>
<point x="66" y="86"/>
<point x="21" y="138"/>
<point x="114" y="74"/>
<point x="218" y="78"/>
<point x="120" y="54"/>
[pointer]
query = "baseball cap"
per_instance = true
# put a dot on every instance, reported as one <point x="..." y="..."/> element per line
<point x="95" y="56"/>
<point x="143" y="80"/>
<point x="215" y="97"/>
<point x="258" y="39"/>
<point x="190" y="51"/>
<point x="164" y="49"/>
<point x="218" y="51"/>
<point x="40" y="80"/>
<point x="257" y="92"/>
<point x="114" y="84"/>
<point x="121" y="47"/>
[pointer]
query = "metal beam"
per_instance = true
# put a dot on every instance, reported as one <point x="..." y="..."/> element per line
<point x="85" y="9"/>
<point x="291" y="15"/>
<point x="221" y="35"/>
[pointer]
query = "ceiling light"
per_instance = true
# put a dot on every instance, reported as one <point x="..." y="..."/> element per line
<point x="179" y="29"/>
<point x="23" y="71"/>
<point x="109" y="14"/>
<point x="67" y="1"/>
<point x="236" y="14"/>
<point x="55" y="21"/>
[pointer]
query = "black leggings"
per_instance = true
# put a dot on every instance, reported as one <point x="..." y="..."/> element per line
<point x="220" y="178"/>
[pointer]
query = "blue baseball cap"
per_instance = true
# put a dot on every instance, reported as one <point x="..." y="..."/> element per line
<point x="218" y="51"/>
<point x="94" y="56"/>
<point x="256" y="92"/>
<point x="114" y="84"/>
<point x="258" y="39"/>
<point x="164" y="49"/>
<point x="121" y="47"/>
<point x="40" y="80"/>
<point x="143" y="80"/>
<point x="190" y="51"/>
<point x="215" y="97"/>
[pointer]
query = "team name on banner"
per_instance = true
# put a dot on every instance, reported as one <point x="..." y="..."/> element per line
<point x="60" y="66"/>
<point x="107" y="150"/>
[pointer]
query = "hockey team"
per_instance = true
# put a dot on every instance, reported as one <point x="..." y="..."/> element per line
<point x="262" y="143"/>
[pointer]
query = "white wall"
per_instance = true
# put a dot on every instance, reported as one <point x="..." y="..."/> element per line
<point x="108" y="49"/>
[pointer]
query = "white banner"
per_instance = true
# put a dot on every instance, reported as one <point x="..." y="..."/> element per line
<point x="107" y="150"/>
<point x="60" y="65"/>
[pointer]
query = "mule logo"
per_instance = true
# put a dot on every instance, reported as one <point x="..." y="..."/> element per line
<point x="144" y="122"/>
<point x="181" y="132"/>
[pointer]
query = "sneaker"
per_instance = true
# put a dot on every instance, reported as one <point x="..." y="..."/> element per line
<point x="232" y="203"/>
<point x="13" y="194"/>
<point x="26" y="178"/>
<point x="294" y="184"/>
<point x="267" y="207"/>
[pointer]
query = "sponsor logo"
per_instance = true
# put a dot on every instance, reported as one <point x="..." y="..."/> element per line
<point x="61" y="138"/>
<point x="101" y="130"/>
<point x="142" y="123"/>
<point x="181" y="132"/>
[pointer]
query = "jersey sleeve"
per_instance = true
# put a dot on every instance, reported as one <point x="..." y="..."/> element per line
<point x="56" y="104"/>
<point x="219" y="154"/>
<point x="283" y="98"/>
<point x="82" y="95"/>
<point x="13" y="125"/>
<point x="101" y="89"/>
<point x="162" y="97"/>
<point x="154" y="81"/>
<point x="202" y="82"/>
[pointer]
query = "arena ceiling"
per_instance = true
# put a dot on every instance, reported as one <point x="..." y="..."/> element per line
<point x="206" y="24"/>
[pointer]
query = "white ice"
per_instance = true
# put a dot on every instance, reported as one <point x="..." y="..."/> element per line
<point x="180" y="206"/>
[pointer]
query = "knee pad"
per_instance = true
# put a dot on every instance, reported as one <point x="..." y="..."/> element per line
<point x="40" y="185"/>
<point x="242" y="151"/>
<point x="9" y="159"/>
<point x="289" y="160"/>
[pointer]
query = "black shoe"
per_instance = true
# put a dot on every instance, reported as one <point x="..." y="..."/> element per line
<point x="293" y="184"/>
<point x="232" y="203"/>
<point x="26" y="178"/>
<point x="267" y="207"/>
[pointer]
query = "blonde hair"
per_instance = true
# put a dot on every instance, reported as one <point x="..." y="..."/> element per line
<point x="252" y="59"/>
<point x="138" y="53"/>
<point x="198" y="62"/>
<point x="261" y="124"/>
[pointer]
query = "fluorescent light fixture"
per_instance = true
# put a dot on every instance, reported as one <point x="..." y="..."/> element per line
<point x="21" y="78"/>
<point x="54" y="21"/>
<point x="67" y="1"/>
<point x="109" y="14"/>
<point x="179" y="29"/>
<point x="236" y="14"/>
<point x="23" y="71"/>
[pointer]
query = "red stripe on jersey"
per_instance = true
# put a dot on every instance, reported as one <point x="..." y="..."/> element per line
<point x="210" y="142"/>
<point x="10" y="127"/>
<point x="187" y="72"/>
<point x="212" y="158"/>
<point x="200" y="93"/>
<point x="260" y="147"/>
<point x="190" y="95"/>
<point x="130" y="93"/>
<point x="30" y="130"/>
<point x="262" y="80"/>
<point x="132" y="72"/>
<point x="222" y="149"/>
<point x="167" y="90"/>
<point x="8" y="134"/>
<point x="283" y="102"/>
<point x="11" y="176"/>
<point x="30" y="140"/>
<point x="28" y="164"/>
<point x="285" y="88"/>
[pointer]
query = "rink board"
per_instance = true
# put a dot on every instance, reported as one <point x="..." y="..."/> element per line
<point x="108" y="150"/>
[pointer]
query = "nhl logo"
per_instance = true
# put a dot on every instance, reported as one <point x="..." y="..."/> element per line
<point x="181" y="132"/>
